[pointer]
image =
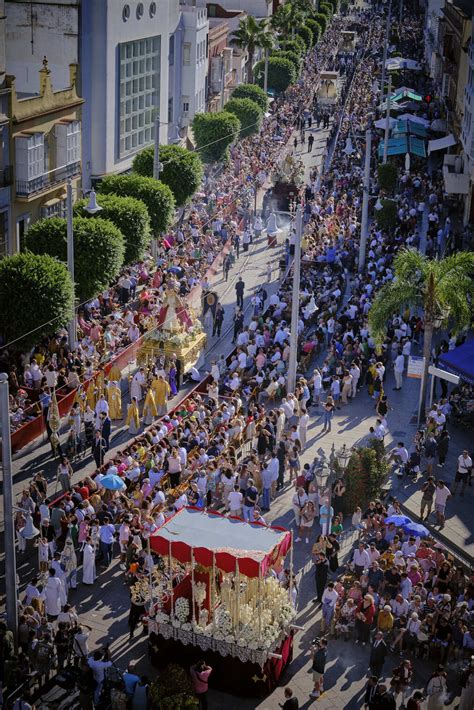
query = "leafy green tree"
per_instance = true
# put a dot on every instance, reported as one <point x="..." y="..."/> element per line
<point x="321" y="19"/>
<point x="333" y="4"/>
<point x="306" y="35"/>
<point x="292" y="56"/>
<point x="214" y="133"/>
<point x="36" y="297"/>
<point x="248" y="36"/>
<point x="281" y="73"/>
<point x="157" y="197"/>
<point x="249" y="114"/>
<point x="315" y="28"/>
<point x="182" y="169"/>
<point x="130" y="216"/>
<point x="387" y="176"/>
<point x="443" y="289"/>
<point x="295" y="44"/>
<point x="98" y="250"/>
<point x="253" y="92"/>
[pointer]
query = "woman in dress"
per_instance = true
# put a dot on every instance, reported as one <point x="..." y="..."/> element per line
<point x="69" y="563"/>
<point x="88" y="419"/>
<point x="303" y="427"/>
<point x="133" y="417"/>
<point x="88" y="562"/>
<point x="306" y="521"/>
<point x="65" y="473"/>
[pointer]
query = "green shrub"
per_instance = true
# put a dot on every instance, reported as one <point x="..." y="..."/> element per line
<point x="253" y="92"/>
<point x="249" y="114"/>
<point x="98" y="250"/>
<point x="130" y="216"/>
<point x="306" y="35"/>
<point x="35" y="290"/>
<point x="281" y="73"/>
<point x="157" y="197"/>
<point x="387" y="176"/>
<point x="316" y="29"/>
<point x="292" y="56"/>
<point x="214" y="133"/>
<point x="173" y="690"/>
<point x="387" y="216"/>
<point x="322" y="20"/>
<point x="295" y="44"/>
<point x="326" y="9"/>
<point x="182" y="169"/>
<point x="365" y="475"/>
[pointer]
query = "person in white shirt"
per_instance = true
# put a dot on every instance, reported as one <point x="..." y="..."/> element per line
<point x="329" y="600"/>
<point x="361" y="559"/>
<point x="398" y="367"/>
<point x="98" y="663"/>
<point x="442" y="494"/>
<point x="400" y="606"/>
<point x="235" y="499"/>
<point x="380" y="430"/>
<point x="463" y="471"/>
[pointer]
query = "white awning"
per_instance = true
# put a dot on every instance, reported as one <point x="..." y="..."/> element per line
<point x="396" y="63"/>
<point x="414" y="119"/>
<point x="382" y="123"/>
<point x="441" y="143"/>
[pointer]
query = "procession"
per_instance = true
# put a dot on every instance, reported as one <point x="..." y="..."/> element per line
<point x="247" y="483"/>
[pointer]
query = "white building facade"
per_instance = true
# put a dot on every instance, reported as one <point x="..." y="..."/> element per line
<point x="467" y="135"/>
<point x="136" y="59"/>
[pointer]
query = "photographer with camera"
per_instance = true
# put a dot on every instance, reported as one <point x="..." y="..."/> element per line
<point x="98" y="663"/>
<point x="318" y="655"/>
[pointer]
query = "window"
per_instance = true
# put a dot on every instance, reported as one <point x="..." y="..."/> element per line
<point x="139" y="11"/>
<point x="57" y="208"/>
<point x="185" y="104"/>
<point x="171" y="51"/>
<point x="126" y="13"/>
<point x="170" y="110"/>
<point x="152" y="9"/>
<point x="29" y="161"/>
<point x="187" y="53"/>
<point x="68" y="143"/>
<point x="140" y="69"/>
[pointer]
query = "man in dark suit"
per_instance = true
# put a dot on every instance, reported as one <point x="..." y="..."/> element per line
<point x="98" y="449"/>
<point x="105" y="427"/>
<point x="377" y="654"/>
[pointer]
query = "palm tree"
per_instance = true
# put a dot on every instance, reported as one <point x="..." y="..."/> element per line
<point x="287" y="17"/>
<point x="249" y="36"/>
<point x="442" y="288"/>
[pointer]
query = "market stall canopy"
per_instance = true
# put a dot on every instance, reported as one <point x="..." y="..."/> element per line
<point x="227" y="541"/>
<point x="414" y="119"/>
<point x="439" y="125"/>
<point x="404" y="144"/>
<point x="395" y="63"/>
<point x="382" y="123"/>
<point x="441" y="143"/>
<point x="410" y="127"/>
<point x="460" y="361"/>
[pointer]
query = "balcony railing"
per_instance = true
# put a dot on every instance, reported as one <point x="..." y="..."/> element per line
<point x="6" y="176"/>
<point x="24" y="188"/>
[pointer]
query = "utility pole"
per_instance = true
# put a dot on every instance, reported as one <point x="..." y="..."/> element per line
<point x="385" y="48"/>
<point x="156" y="154"/>
<point x="387" y="121"/>
<point x="295" y="302"/>
<point x="72" y="326"/>
<point x="265" y="75"/>
<point x="365" y="201"/>
<point x="11" y="587"/>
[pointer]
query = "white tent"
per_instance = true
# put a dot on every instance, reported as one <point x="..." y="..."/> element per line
<point x="382" y="123"/>
<point x="441" y="143"/>
<point x="438" y="125"/>
<point x="395" y="63"/>
<point x="414" y="119"/>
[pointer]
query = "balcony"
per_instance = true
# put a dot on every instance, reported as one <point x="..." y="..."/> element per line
<point x="6" y="176"/>
<point x="47" y="181"/>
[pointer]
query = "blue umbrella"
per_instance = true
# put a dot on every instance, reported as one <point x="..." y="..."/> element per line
<point x="113" y="482"/>
<point x="416" y="529"/>
<point x="398" y="520"/>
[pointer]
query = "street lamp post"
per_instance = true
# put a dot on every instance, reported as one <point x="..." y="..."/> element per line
<point x="295" y="302"/>
<point x="11" y="587"/>
<point x="385" y="48"/>
<point x="365" y="201"/>
<point x="387" y="121"/>
<point x="265" y="72"/>
<point x="92" y="208"/>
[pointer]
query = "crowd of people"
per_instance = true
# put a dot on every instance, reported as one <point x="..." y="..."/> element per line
<point x="401" y="594"/>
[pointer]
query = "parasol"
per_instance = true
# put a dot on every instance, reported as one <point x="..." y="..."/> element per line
<point x="112" y="482"/>
<point x="398" y="520"/>
<point x="416" y="529"/>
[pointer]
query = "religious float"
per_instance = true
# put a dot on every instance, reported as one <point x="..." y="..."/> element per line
<point x="176" y="332"/>
<point x="227" y="603"/>
<point x="288" y="180"/>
